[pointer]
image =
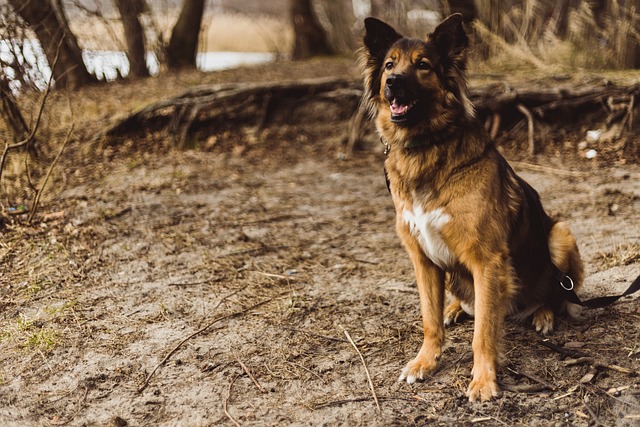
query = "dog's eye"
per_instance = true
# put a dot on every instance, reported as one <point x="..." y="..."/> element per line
<point x="388" y="65"/>
<point x="424" y="65"/>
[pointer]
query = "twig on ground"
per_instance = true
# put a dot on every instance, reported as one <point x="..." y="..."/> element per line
<point x="485" y="419"/>
<point x="314" y="334"/>
<point x="271" y="275"/>
<point x="225" y="402"/>
<point x="565" y="352"/>
<point x="535" y="378"/>
<point x="308" y="370"/>
<point x="366" y="261"/>
<point x="366" y="370"/>
<point x="198" y="332"/>
<point x="586" y="360"/>
<point x="253" y="250"/>
<point x="594" y="417"/>
<point x="250" y="375"/>
<point x="524" y="388"/>
<point x="75" y="414"/>
<point x="481" y="420"/>
<point x="358" y="399"/>
<point x="204" y="282"/>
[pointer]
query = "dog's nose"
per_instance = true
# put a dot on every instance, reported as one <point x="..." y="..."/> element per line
<point x="394" y="80"/>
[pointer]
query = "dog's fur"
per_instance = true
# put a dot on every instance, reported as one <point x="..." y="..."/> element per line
<point x="462" y="213"/>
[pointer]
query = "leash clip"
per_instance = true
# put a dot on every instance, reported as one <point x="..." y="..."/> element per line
<point x="568" y="287"/>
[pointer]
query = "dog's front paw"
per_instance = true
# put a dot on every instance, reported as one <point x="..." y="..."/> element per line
<point x="483" y="388"/>
<point x="418" y="369"/>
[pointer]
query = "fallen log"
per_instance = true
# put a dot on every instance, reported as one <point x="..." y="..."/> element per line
<point x="236" y="103"/>
<point x="257" y="104"/>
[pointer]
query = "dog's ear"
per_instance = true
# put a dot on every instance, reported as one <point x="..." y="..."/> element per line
<point x="379" y="37"/>
<point x="450" y="39"/>
<point x="451" y="42"/>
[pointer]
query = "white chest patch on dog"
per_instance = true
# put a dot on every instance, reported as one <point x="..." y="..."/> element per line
<point x="426" y="228"/>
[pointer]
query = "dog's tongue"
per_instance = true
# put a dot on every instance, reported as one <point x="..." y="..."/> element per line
<point x="398" y="109"/>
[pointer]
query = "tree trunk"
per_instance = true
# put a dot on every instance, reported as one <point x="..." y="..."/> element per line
<point x="183" y="45"/>
<point x="10" y="111"/>
<point x="134" y="35"/>
<point x="69" y="70"/>
<point x="310" y="38"/>
<point x="341" y="18"/>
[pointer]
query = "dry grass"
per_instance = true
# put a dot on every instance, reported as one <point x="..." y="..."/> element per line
<point x="623" y="254"/>
<point x="525" y="39"/>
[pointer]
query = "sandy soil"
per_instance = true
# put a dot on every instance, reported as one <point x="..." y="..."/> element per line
<point x="217" y="287"/>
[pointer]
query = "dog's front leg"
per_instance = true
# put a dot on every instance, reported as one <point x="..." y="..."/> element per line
<point x="492" y="287"/>
<point x="430" y="281"/>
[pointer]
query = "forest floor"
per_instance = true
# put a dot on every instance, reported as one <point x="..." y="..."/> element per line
<point x="219" y="286"/>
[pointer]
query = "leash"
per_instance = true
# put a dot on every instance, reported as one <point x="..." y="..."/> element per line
<point x="599" y="302"/>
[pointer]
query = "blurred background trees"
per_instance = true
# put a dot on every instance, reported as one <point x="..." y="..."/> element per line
<point x="159" y="35"/>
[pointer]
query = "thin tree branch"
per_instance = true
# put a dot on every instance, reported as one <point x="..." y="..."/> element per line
<point x="34" y="129"/>
<point x="36" y="199"/>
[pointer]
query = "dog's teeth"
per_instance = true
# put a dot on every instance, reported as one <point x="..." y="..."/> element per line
<point x="398" y="109"/>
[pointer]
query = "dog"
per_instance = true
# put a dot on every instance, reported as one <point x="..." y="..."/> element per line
<point x="469" y="224"/>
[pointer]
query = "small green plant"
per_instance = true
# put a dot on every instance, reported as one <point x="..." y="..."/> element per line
<point x="33" y="287"/>
<point x="5" y="335"/>
<point x="59" y="309"/>
<point x="24" y="323"/>
<point x="44" y="339"/>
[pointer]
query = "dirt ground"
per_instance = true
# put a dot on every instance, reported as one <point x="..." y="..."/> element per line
<point x="217" y="286"/>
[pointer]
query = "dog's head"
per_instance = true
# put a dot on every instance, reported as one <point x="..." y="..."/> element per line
<point x="416" y="83"/>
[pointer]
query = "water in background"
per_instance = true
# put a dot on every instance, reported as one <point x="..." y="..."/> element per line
<point x="106" y="65"/>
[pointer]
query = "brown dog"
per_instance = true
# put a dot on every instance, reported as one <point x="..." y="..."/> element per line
<point x="461" y="211"/>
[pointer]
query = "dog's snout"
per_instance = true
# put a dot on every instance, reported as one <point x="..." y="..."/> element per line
<point x="394" y="81"/>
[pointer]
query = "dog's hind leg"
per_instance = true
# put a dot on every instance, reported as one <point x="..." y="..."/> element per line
<point x="461" y="305"/>
<point x="453" y="312"/>
<point x="543" y="320"/>
<point x="565" y="254"/>
<point x="566" y="257"/>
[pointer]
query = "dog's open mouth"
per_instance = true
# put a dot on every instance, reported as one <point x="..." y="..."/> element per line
<point x="400" y="109"/>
